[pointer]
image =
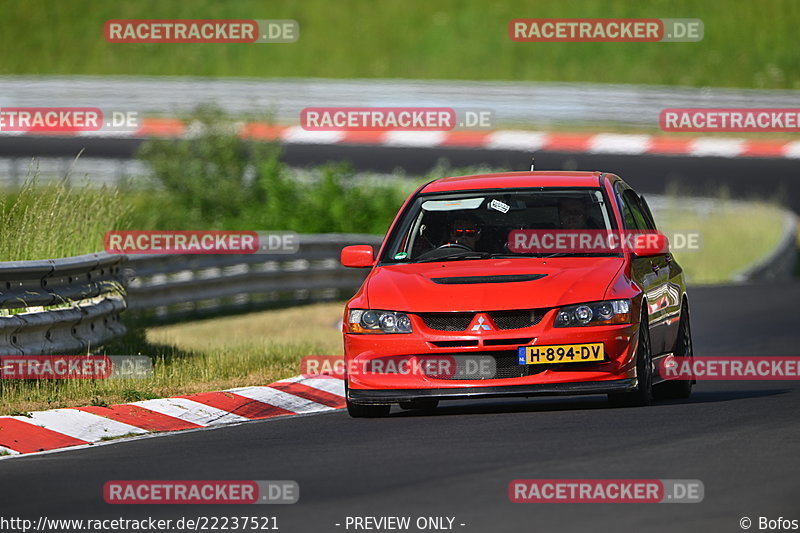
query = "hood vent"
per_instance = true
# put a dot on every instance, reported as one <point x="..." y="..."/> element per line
<point x="473" y="280"/>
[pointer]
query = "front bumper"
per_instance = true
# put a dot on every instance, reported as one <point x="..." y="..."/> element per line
<point x="373" y="397"/>
<point x="619" y="342"/>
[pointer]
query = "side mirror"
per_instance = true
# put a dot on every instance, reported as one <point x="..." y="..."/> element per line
<point x="358" y="256"/>
<point x="650" y="244"/>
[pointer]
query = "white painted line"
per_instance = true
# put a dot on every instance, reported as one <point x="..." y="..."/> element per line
<point x="707" y="146"/>
<point x="281" y="399"/>
<point x="792" y="150"/>
<point x="414" y="138"/>
<point x="613" y="143"/>
<point x="516" y="140"/>
<point x="104" y="133"/>
<point x="79" y="424"/>
<point x="331" y="385"/>
<point x="297" y="134"/>
<point x="190" y="411"/>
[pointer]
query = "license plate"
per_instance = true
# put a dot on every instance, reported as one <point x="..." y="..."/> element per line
<point x="561" y="353"/>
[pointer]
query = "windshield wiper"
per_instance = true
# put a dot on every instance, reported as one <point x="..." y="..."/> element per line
<point x="463" y="255"/>
<point x="581" y="254"/>
<point x="486" y="255"/>
<point x="557" y="254"/>
<point x="509" y="256"/>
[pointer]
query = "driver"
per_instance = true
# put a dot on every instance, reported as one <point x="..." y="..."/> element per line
<point x="465" y="232"/>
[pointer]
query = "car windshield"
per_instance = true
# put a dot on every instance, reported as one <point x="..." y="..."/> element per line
<point x="493" y="223"/>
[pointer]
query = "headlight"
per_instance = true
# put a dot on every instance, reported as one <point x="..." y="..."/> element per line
<point x="594" y="314"/>
<point x="371" y="321"/>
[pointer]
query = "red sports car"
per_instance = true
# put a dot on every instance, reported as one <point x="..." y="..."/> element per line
<point x="516" y="284"/>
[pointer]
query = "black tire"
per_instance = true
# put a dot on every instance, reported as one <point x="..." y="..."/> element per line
<point x="643" y="394"/>
<point x="427" y="405"/>
<point x="679" y="389"/>
<point x="365" y="411"/>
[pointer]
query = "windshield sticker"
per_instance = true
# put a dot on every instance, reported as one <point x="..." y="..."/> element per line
<point x="452" y="205"/>
<point x="497" y="205"/>
<point x="401" y="255"/>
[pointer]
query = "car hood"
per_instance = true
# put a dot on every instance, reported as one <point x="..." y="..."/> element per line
<point x="484" y="287"/>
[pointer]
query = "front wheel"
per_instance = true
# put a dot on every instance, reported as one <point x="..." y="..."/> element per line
<point x="679" y="389"/>
<point x="643" y="394"/>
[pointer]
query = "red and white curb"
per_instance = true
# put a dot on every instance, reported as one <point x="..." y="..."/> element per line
<point x="593" y="143"/>
<point x="60" y="428"/>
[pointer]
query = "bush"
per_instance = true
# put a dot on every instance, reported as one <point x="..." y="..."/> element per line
<point x="218" y="180"/>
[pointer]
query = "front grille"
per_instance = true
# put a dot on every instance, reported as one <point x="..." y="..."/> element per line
<point x="508" y="366"/>
<point x="515" y="319"/>
<point x="447" y="321"/>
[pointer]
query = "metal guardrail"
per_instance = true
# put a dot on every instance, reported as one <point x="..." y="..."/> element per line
<point x="65" y="305"/>
<point x="72" y="305"/>
<point x="533" y="103"/>
<point x="173" y="287"/>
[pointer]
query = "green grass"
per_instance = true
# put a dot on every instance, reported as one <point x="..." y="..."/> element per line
<point x="45" y="221"/>
<point x="734" y="236"/>
<point x="746" y="44"/>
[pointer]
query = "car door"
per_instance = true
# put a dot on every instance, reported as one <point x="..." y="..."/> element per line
<point x="651" y="273"/>
<point x="675" y="287"/>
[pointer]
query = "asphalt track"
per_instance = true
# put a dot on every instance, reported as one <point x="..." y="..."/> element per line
<point x="740" y="438"/>
<point x="745" y="177"/>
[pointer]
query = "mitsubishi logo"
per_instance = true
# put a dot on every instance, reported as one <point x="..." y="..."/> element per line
<point x="481" y="326"/>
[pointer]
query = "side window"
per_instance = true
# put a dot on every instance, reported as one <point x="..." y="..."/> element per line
<point x="627" y="214"/>
<point x="651" y="221"/>
<point x="636" y="209"/>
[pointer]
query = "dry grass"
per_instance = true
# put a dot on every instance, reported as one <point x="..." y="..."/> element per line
<point x="314" y="325"/>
